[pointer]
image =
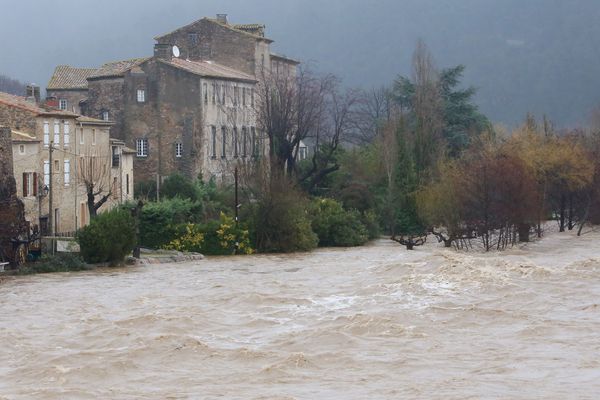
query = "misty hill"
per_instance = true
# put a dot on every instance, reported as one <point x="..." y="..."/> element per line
<point x="541" y="56"/>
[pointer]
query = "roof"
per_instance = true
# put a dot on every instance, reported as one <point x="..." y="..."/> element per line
<point x="209" y="69"/>
<point x="26" y="105"/>
<point x="18" y="136"/>
<point x="255" y="29"/>
<point x="92" y="121"/>
<point x="284" y="58"/>
<point x="116" y="68"/>
<point x="67" y="77"/>
<point x="226" y="25"/>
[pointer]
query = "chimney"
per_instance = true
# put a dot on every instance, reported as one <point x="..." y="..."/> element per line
<point x="163" y="51"/>
<point x="33" y="93"/>
<point x="222" y="18"/>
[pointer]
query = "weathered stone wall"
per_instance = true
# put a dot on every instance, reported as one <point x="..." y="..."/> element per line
<point x="217" y="43"/>
<point x="17" y="118"/>
<point x="12" y="218"/>
<point x="107" y="95"/>
<point x="73" y="97"/>
<point x="170" y="114"/>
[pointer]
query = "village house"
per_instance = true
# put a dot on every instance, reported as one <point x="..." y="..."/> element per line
<point x="40" y="134"/>
<point x="191" y="107"/>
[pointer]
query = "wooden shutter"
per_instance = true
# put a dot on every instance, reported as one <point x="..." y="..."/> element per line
<point x="25" y="194"/>
<point x="35" y="184"/>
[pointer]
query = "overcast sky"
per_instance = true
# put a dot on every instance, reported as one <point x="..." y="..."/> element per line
<point x="522" y="55"/>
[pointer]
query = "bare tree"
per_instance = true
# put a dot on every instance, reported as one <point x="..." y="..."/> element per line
<point x="94" y="173"/>
<point x="336" y="122"/>
<point x="290" y="108"/>
<point x="374" y="109"/>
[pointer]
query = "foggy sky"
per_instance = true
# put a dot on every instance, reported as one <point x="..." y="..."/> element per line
<point x="541" y="56"/>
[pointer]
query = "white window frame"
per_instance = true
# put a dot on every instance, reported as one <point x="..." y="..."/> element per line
<point x="46" y="133"/>
<point x="178" y="150"/>
<point x="105" y="116"/>
<point x="22" y="149"/>
<point x="213" y="141"/>
<point x="66" y="134"/>
<point x="67" y="172"/>
<point x="56" y="133"/>
<point x="141" y="95"/>
<point x="47" y="173"/>
<point x="141" y="146"/>
<point x="81" y="137"/>
<point x="62" y="104"/>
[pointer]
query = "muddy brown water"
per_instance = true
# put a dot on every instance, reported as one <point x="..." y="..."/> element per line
<point x="374" y="322"/>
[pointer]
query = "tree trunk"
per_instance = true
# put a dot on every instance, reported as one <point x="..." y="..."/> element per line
<point x="524" y="233"/>
<point x="563" y="210"/>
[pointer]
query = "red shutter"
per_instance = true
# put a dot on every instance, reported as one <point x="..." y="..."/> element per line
<point x="25" y="184"/>
<point x="35" y="184"/>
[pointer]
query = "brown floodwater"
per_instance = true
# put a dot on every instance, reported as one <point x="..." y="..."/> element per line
<point x="374" y="322"/>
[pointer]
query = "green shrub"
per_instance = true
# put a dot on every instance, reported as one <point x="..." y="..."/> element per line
<point x="335" y="226"/>
<point x="61" y="262"/>
<point x="280" y="222"/>
<point x="177" y="185"/>
<point x="159" y="221"/>
<point x="220" y="237"/>
<point x="369" y="220"/>
<point x="108" y="238"/>
<point x="145" y="190"/>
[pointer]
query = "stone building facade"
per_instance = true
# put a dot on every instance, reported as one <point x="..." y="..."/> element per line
<point x="191" y="107"/>
<point x="73" y="140"/>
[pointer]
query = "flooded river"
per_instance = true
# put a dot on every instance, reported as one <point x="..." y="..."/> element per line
<point x="376" y="322"/>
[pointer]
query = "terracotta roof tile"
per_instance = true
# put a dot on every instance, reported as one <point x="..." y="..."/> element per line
<point x="67" y="77"/>
<point x="209" y="69"/>
<point x="232" y="27"/>
<point x="116" y="68"/>
<point x="24" y="104"/>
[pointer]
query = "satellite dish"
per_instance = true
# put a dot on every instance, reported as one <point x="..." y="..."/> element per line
<point x="176" y="51"/>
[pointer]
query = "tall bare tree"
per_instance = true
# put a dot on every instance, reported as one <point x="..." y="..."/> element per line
<point x="290" y="108"/>
<point x="94" y="173"/>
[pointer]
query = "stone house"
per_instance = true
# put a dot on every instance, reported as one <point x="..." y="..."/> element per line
<point x="191" y="107"/>
<point x="72" y="140"/>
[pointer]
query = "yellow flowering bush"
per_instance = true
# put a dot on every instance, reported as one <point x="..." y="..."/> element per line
<point x="190" y="238"/>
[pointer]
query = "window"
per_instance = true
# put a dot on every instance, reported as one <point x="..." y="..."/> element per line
<point x="21" y="149"/>
<point x="178" y="149"/>
<point x="46" y="133"/>
<point x="235" y="142"/>
<point x="67" y="172"/>
<point x="214" y="93"/>
<point x="252" y="97"/>
<point x="141" y="146"/>
<point x="47" y="173"/>
<point x="116" y="157"/>
<point x="205" y="89"/>
<point x="127" y="184"/>
<point x="223" y="94"/>
<point x="244" y="141"/>
<point x="56" y="166"/>
<point x="244" y="96"/>
<point x="105" y="115"/>
<point x="66" y="133"/>
<point x="254" y="146"/>
<point x="193" y="38"/>
<point x="81" y="136"/>
<point x="236" y="95"/>
<point x="62" y="104"/>
<point x="29" y="184"/>
<point x="141" y="96"/>
<point x="56" y="133"/>
<point x="214" y="142"/>
<point x="223" y="142"/>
